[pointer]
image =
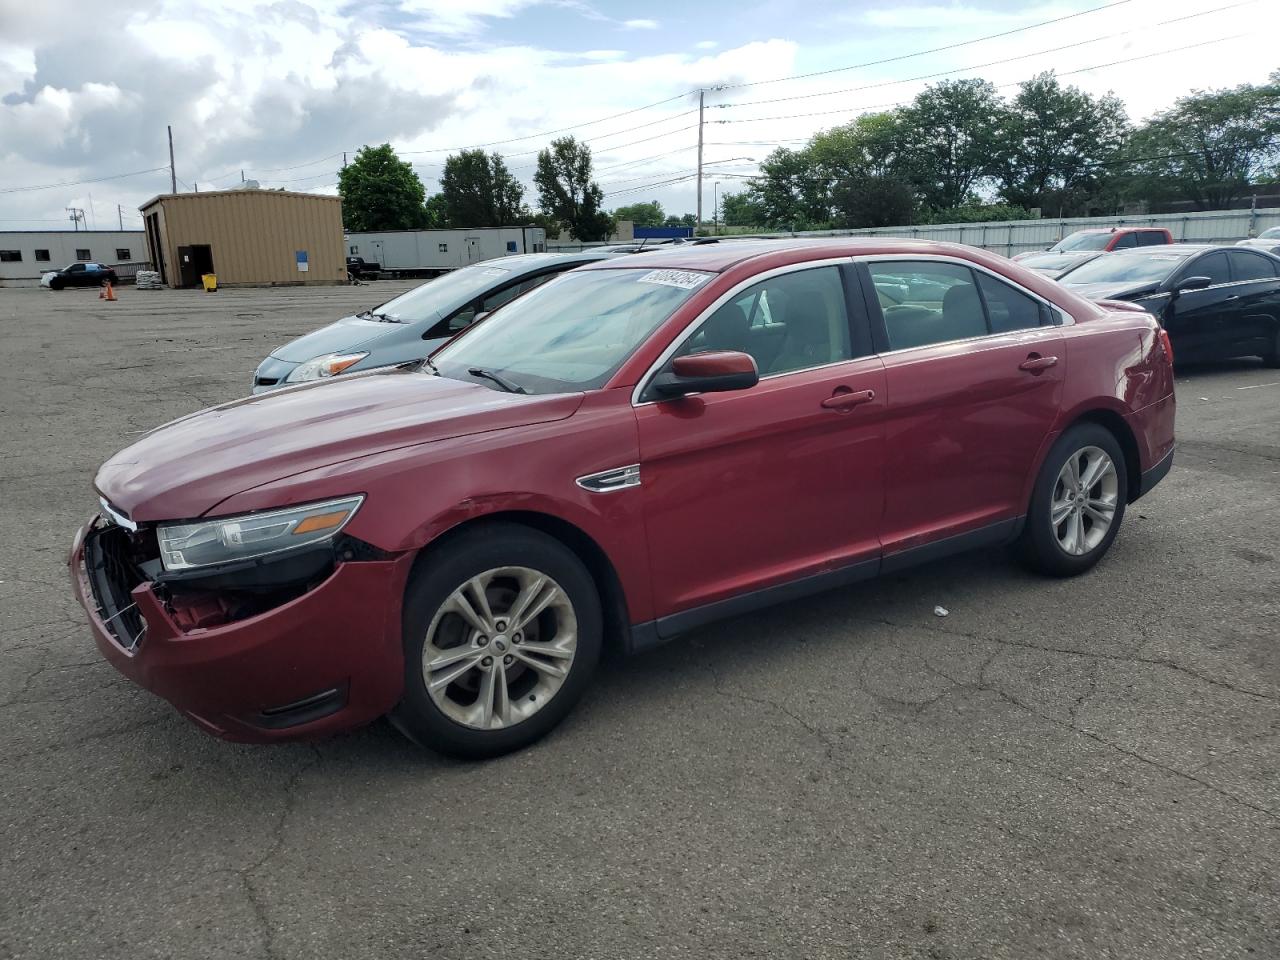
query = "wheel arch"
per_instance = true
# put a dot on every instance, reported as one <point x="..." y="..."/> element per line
<point x="1119" y="428"/>
<point x="613" y="601"/>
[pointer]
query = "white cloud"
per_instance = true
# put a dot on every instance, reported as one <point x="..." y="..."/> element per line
<point x="641" y="24"/>
<point x="706" y="44"/>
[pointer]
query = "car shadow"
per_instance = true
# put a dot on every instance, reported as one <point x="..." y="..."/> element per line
<point x="1207" y="368"/>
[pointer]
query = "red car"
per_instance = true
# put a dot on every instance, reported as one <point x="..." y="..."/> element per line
<point x="632" y="450"/>
<point x="1106" y="239"/>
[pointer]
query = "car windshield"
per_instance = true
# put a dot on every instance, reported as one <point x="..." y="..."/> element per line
<point x="1082" y="241"/>
<point x="572" y="333"/>
<point x="443" y="293"/>
<point x="1125" y="268"/>
<point x="1272" y="234"/>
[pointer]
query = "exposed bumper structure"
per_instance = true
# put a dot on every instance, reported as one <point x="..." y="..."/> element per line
<point x="323" y="662"/>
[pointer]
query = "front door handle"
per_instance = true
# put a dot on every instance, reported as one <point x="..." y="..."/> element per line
<point x="1037" y="364"/>
<point x="1234" y="296"/>
<point x="845" y="399"/>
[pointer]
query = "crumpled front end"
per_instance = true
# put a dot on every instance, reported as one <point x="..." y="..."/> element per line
<point x="297" y="647"/>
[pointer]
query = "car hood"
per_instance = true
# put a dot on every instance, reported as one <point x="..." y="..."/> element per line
<point x="1109" y="291"/>
<point x="186" y="468"/>
<point x="345" y="336"/>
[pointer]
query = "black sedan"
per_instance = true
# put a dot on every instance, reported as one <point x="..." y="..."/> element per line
<point x="78" y="275"/>
<point x="1215" y="302"/>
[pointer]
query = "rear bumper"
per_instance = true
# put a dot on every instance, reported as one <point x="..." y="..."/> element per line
<point x="1153" y="476"/>
<point x="325" y="662"/>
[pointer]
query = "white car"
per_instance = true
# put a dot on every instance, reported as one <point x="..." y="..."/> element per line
<point x="1268" y="240"/>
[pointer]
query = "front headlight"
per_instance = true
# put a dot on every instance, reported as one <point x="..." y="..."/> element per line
<point x="184" y="546"/>
<point x="330" y="365"/>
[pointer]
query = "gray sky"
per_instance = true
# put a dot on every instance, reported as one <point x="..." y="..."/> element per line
<point x="281" y="89"/>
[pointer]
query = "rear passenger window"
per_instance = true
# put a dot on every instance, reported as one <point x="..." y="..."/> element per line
<point x="790" y="322"/>
<point x="1125" y="241"/>
<point x="1007" y="308"/>
<point x="1250" y="266"/>
<point x="926" y="303"/>
<point x="1152" y="238"/>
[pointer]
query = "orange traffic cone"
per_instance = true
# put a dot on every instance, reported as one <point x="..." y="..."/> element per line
<point x="107" y="292"/>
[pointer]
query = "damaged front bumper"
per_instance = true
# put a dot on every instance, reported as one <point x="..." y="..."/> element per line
<point x="294" y="648"/>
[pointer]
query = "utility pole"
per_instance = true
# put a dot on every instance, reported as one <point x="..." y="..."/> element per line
<point x="173" y="174"/>
<point x="242" y="175"/>
<point x="120" y="216"/>
<point x="344" y="159"/>
<point x="701" y="96"/>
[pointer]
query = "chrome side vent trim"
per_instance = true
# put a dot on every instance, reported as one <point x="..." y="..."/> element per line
<point x="607" y="481"/>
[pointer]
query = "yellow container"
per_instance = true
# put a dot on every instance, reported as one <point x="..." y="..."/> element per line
<point x="210" y="282"/>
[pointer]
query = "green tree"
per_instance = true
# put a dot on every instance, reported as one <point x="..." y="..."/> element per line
<point x="789" y="192"/>
<point x="869" y="175"/>
<point x="957" y="133"/>
<point x="479" y="191"/>
<point x="741" y="210"/>
<point x="683" y="220"/>
<point x="567" y="192"/>
<point x="548" y="223"/>
<point x="380" y="192"/>
<point x="1063" y="145"/>
<point x="642" y="214"/>
<point x="1210" y="146"/>
<point x="437" y="213"/>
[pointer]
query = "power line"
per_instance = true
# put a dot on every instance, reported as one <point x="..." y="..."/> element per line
<point x="77" y="183"/>
<point x="989" y="63"/>
<point x="1064" y="73"/>
<point x="921" y="53"/>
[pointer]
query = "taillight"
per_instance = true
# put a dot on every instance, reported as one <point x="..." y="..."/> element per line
<point x="1166" y="343"/>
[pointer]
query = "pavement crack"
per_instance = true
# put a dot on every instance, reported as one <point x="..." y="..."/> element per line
<point x="1009" y="698"/>
<point x="247" y="874"/>
<point x="1068" y="651"/>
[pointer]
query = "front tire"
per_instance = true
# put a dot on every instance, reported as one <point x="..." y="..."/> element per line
<point x="1078" y="502"/>
<point x="502" y="633"/>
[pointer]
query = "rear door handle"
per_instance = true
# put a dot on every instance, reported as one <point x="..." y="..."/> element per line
<point x="1234" y="296"/>
<point x="846" y="399"/>
<point x="1037" y="364"/>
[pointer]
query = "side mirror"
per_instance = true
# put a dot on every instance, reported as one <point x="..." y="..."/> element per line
<point x="712" y="372"/>
<point x="1194" y="283"/>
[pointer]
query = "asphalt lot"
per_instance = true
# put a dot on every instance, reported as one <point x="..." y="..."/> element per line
<point x="1063" y="769"/>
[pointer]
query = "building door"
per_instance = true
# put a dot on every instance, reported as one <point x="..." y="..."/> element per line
<point x="375" y="254"/>
<point x="473" y="249"/>
<point x="155" y="247"/>
<point x="193" y="262"/>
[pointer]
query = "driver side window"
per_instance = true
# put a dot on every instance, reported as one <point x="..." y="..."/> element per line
<point x="1214" y="266"/>
<point x="790" y="322"/>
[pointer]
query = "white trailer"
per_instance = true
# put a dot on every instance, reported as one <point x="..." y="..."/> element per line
<point x="419" y="252"/>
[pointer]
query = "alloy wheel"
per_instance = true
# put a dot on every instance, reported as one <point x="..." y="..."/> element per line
<point x="1085" y="497"/>
<point x="499" y="648"/>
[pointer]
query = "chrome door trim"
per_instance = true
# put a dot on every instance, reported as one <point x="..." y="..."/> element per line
<point x="720" y="301"/>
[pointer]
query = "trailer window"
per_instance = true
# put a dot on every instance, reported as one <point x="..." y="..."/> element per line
<point x="42" y="256"/>
<point x="10" y="256"/>
<point x="444" y="248"/>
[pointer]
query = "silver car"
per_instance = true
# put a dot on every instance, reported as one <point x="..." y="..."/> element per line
<point x="413" y="324"/>
<point x="1268" y="240"/>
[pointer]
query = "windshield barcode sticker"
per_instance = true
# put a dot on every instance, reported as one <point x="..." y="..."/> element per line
<point x="684" y="279"/>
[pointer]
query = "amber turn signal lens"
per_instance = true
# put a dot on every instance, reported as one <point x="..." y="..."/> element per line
<point x="321" y="521"/>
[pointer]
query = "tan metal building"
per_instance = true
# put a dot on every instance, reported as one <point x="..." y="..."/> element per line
<point x="246" y="237"/>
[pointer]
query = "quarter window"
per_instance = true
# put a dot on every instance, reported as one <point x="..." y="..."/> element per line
<point x="1250" y="266"/>
<point x="1008" y="309"/>
<point x="790" y="322"/>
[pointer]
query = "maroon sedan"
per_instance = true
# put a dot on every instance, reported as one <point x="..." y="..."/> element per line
<point x="634" y="449"/>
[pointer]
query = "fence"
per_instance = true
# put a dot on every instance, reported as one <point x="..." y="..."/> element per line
<point x="1017" y="236"/>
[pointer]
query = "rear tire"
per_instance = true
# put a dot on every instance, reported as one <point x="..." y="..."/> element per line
<point x="1078" y="503"/>
<point x="57" y="283"/>
<point x="502" y="633"/>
